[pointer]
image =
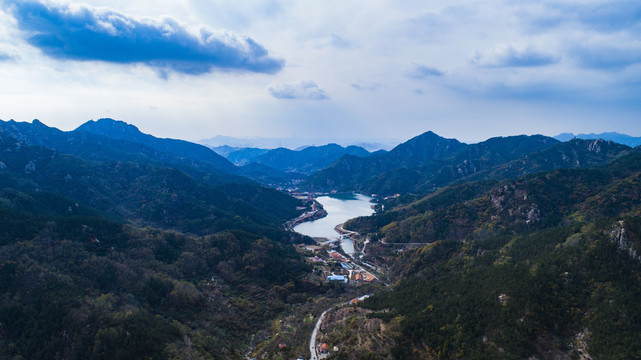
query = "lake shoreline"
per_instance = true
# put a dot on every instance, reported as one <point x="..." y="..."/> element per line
<point x="317" y="212"/>
<point x="339" y="209"/>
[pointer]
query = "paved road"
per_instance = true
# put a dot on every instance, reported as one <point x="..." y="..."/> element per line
<point x="312" y="340"/>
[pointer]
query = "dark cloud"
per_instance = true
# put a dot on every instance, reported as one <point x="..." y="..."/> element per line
<point x="423" y="72"/>
<point x="86" y="34"/>
<point x="510" y="57"/>
<point x="302" y="90"/>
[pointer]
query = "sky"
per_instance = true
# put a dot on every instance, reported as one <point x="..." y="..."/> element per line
<point x="372" y="70"/>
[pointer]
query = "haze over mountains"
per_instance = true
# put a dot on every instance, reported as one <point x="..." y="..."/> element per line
<point x="307" y="161"/>
<point x="295" y="143"/>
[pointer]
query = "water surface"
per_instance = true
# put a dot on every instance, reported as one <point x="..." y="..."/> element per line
<point x="340" y="208"/>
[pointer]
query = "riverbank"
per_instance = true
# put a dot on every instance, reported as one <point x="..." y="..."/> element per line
<point x="339" y="277"/>
<point x="317" y="212"/>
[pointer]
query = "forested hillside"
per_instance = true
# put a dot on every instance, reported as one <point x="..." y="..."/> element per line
<point x="135" y="258"/>
<point x="411" y="164"/>
<point x="428" y="162"/>
<point x="159" y="196"/>
<point x="83" y="287"/>
<point x="543" y="266"/>
<point x="118" y="245"/>
<point x="119" y="130"/>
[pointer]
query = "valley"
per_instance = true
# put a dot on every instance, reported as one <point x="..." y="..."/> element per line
<point x="116" y="244"/>
<point x="307" y="180"/>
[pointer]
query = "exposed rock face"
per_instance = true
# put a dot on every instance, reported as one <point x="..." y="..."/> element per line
<point x="619" y="237"/>
<point x="595" y="146"/>
<point x="580" y="344"/>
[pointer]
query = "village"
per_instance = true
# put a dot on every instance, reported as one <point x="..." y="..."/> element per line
<point x="335" y="261"/>
<point x="332" y="266"/>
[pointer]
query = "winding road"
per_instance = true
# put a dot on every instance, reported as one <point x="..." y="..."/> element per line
<point x="312" y="339"/>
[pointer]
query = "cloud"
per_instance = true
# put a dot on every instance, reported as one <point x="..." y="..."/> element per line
<point x="423" y="72"/>
<point x="301" y="90"/>
<point x="6" y="57"/>
<point x="507" y="56"/>
<point x="601" y="17"/>
<point x="606" y="57"/>
<point x="340" y="42"/>
<point x="86" y="34"/>
<point x="362" y="86"/>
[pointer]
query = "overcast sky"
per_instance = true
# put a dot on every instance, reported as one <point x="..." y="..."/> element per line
<point x="330" y="69"/>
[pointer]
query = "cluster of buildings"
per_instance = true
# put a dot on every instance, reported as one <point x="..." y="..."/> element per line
<point x="336" y="267"/>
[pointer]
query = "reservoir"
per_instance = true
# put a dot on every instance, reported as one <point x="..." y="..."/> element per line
<point x="340" y="208"/>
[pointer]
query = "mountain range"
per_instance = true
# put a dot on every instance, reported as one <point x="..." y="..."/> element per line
<point x="306" y="160"/>
<point x="612" y="136"/>
<point x="239" y="156"/>
<point x="116" y="244"/>
<point x="428" y="161"/>
<point x="295" y="143"/>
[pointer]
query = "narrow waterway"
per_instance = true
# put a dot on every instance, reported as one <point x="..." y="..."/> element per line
<point x="340" y="208"/>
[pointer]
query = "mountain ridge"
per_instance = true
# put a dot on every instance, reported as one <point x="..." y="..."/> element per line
<point x="613" y="136"/>
<point x="415" y="161"/>
<point x="308" y="160"/>
<point x="120" y="130"/>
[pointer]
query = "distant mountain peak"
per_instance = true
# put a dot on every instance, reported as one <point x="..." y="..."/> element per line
<point x="111" y="127"/>
<point x="425" y="147"/>
<point x="37" y="122"/>
<point x="431" y="137"/>
<point x="426" y="135"/>
<point x="120" y="130"/>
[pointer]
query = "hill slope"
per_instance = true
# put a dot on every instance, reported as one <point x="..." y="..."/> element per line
<point x="409" y="165"/>
<point x="109" y="259"/>
<point x="95" y="147"/>
<point x="544" y="266"/>
<point x="119" y="130"/>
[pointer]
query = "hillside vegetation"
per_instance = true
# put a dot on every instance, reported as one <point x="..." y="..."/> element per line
<point x="429" y="162"/>
<point x="543" y="266"/>
<point x="115" y="244"/>
<point x="110" y="249"/>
